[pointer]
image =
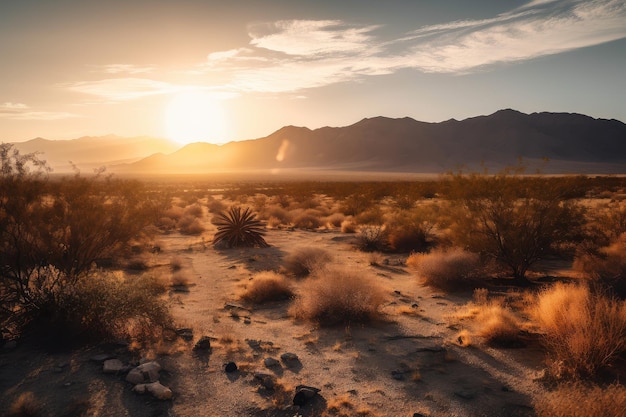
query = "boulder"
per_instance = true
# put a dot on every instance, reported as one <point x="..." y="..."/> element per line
<point x="304" y="394"/>
<point x="290" y="359"/>
<point x="112" y="366"/>
<point x="156" y="389"/>
<point x="144" y="373"/>
<point x="268" y="381"/>
<point x="204" y="343"/>
<point x="230" y="367"/>
<point x="271" y="362"/>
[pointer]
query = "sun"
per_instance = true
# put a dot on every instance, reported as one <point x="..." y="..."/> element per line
<point x="196" y="116"/>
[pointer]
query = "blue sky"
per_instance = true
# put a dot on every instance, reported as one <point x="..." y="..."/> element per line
<point x="218" y="71"/>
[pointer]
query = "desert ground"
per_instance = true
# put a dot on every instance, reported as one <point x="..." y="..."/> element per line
<point x="414" y="359"/>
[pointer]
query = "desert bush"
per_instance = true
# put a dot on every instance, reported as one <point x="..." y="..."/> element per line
<point x="409" y="238"/>
<point x="356" y="204"/>
<point x="308" y="219"/>
<point x="190" y="225"/>
<point x="334" y="219"/>
<point x="448" y="270"/>
<point x="180" y="280"/>
<point x="372" y="238"/>
<point x="348" y="226"/>
<point x="584" y="331"/>
<point x="267" y="286"/>
<point x="175" y="212"/>
<point x="511" y="219"/>
<point x="338" y="295"/>
<point x="236" y="228"/>
<point x="104" y="307"/>
<point x="581" y="400"/>
<point x="216" y="206"/>
<point x="304" y="260"/>
<point x="283" y="216"/>
<point x="372" y="216"/>
<point x="194" y="210"/>
<point x="604" y="267"/>
<point x="498" y="325"/>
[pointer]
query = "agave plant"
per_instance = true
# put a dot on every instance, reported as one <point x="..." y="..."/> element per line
<point x="237" y="228"/>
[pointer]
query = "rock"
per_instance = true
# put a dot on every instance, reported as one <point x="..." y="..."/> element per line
<point x="398" y="375"/>
<point x="266" y="380"/>
<point x="156" y="389"/>
<point x="466" y="395"/>
<point x="418" y="415"/>
<point x="112" y="366"/>
<point x="271" y="362"/>
<point x="185" y="334"/>
<point x="144" y="373"/>
<point x="101" y="357"/>
<point x="204" y="343"/>
<point x="304" y="394"/>
<point x="230" y="367"/>
<point x="289" y="358"/>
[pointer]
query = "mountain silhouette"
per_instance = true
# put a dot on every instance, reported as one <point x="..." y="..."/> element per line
<point x="572" y="143"/>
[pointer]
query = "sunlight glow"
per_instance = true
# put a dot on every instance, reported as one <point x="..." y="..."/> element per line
<point x="196" y="116"/>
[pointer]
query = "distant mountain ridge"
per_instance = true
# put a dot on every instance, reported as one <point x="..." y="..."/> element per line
<point x="94" y="151"/>
<point x="572" y="142"/>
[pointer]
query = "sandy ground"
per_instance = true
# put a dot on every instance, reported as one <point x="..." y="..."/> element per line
<point x="408" y="363"/>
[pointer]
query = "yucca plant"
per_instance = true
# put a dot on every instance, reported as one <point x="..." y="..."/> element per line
<point x="237" y="228"/>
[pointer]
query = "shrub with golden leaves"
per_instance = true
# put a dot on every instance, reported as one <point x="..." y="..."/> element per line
<point x="267" y="286"/>
<point x="448" y="270"/>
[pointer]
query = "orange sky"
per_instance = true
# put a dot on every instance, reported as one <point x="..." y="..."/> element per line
<point x="218" y="71"/>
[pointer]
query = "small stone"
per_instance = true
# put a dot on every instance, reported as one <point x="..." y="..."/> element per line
<point x="230" y="367"/>
<point x="101" y="357"/>
<point x="204" y="343"/>
<point x="289" y="357"/>
<point x="466" y="395"/>
<point x="147" y="372"/>
<point x="112" y="366"/>
<point x="271" y="362"/>
<point x="397" y="375"/>
<point x="185" y="334"/>
<point x="159" y="391"/>
<point x="304" y="394"/>
<point x="266" y="380"/>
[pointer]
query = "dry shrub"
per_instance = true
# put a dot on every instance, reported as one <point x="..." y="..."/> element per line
<point x="106" y="307"/>
<point x="606" y="266"/>
<point x="584" y="331"/>
<point x="267" y="286"/>
<point x="498" y="325"/>
<point x="302" y="261"/>
<point x="216" y="206"/>
<point x="348" y="226"/>
<point x="308" y="219"/>
<point x="175" y="212"/>
<point x="374" y="215"/>
<point x="180" y="279"/>
<point x="339" y="295"/>
<point x="176" y="263"/>
<point x="189" y="225"/>
<point x="448" y="270"/>
<point x="335" y="220"/>
<point x="25" y="405"/>
<point x="578" y="400"/>
<point x="279" y="214"/>
<point x="194" y="210"/>
<point x="372" y="238"/>
<point x="408" y="238"/>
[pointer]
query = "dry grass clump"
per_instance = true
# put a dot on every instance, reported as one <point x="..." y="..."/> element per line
<point x="584" y="331"/>
<point x="339" y="295"/>
<point x="180" y="280"/>
<point x="372" y="238"/>
<point x="348" y="226"/>
<point x="335" y="219"/>
<point x="605" y="266"/>
<point x="308" y="219"/>
<point x="216" y="206"/>
<point x="498" y="325"/>
<point x="176" y="263"/>
<point x="267" y="286"/>
<point x="448" y="270"/>
<point x="578" y="400"/>
<point x="190" y="225"/>
<point x="408" y="238"/>
<point x="25" y="405"/>
<point x="302" y="261"/>
<point x="194" y="210"/>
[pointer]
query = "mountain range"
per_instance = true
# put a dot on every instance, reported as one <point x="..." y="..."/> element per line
<point x="572" y="143"/>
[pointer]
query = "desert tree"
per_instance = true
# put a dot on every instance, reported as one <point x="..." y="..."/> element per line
<point x="510" y="218"/>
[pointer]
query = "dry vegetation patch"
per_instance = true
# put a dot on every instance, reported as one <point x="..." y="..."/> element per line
<point x="579" y="400"/>
<point x="267" y="286"/>
<point x="337" y="295"/>
<point x="446" y="269"/>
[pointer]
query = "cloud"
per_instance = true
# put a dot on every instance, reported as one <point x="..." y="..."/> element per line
<point x="122" y="89"/>
<point x="126" y="69"/>
<point x="20" y="111"/>
<point x="539" y="29"/>
<point x="287" y="56"/>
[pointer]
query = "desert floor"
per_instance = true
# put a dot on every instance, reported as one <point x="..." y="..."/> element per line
<point x="409" y="362"/>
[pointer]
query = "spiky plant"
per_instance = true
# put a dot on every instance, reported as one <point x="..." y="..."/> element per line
<point x="237" y="228"/>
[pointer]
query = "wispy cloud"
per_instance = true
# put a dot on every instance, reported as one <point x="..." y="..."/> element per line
<point x="125" y="69"/>
<point x="294" y="55"/>
<point x="20" y="111"/>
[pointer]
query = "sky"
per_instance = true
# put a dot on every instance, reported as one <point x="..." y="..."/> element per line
<point x="216" y="71"/>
